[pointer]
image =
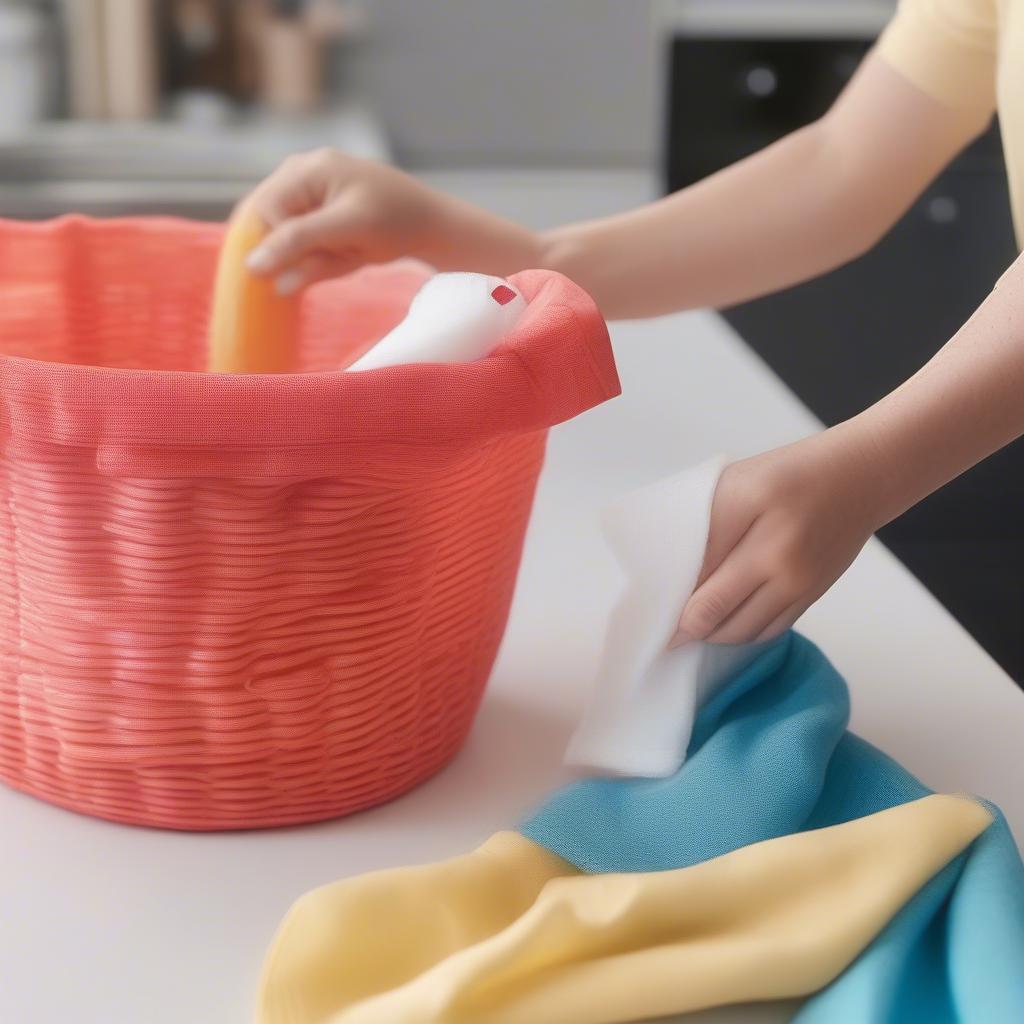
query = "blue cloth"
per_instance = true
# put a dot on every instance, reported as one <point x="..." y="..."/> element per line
<point x="770" y="755"/>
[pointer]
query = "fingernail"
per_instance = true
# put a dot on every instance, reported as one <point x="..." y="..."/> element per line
<point x="290" y="281"/>
<point x="259" y="259"/>
<point x="679" y="639"/>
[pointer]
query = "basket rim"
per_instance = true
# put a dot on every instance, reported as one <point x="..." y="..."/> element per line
<point x="556" y="363"/>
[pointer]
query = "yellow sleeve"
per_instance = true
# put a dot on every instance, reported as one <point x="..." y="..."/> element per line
<point x="948" y="49"/>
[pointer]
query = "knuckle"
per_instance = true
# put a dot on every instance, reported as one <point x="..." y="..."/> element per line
<point x="323" y="156"/>
<point x="759" y="491"/>
<point x="309" y="158"/>
<point x="290" y="235"/>
<point x="705" y="612"/>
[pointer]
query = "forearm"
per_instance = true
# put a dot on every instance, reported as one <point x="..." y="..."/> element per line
<point x="465" y="237"/>
<point x="812" y="201"/>
<point x="780" y="216"/>
<point x="964" y="404"/>
<point x="783" y="215"/>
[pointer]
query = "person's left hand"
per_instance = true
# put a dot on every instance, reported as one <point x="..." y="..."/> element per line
<point x="785" y="525"/>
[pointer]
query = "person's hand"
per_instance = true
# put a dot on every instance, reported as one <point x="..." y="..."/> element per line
<point x="330" y="213"/>
<point x="785" y="525"/>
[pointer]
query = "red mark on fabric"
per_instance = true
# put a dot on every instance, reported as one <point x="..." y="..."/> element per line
<point x="503" y="295"/>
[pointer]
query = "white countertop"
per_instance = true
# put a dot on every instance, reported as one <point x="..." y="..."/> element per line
<point x="104" y="924"/>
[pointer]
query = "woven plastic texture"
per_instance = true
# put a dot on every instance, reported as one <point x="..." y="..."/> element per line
<point x="248" y="601"/>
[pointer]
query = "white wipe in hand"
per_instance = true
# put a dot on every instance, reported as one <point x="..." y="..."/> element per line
<point x="646" y="697"/>
<point x="454" y="318"/>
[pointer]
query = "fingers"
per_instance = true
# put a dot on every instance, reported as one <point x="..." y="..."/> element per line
<point x="784" y="527"/>
<point x="782" y="622"/>
<point x="318" y="266"/>
<point x="728" y="586"/>
<point x="731" y="519"/>
<point x="767" y="612"/>
<point x="293" y="240"/>
<point x="750" y="618"/>
<point x="300" y="185"/>
<point x="304" y="206"/>
<point x="726" y="532"/>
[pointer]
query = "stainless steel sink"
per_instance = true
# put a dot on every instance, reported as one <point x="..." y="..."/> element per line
<point x="107" y="169"/>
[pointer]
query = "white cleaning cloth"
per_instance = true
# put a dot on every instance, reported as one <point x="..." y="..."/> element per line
<point x="645" y="699"/>
<point x="454" y="318"/>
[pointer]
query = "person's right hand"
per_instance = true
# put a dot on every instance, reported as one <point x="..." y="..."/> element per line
<point x="330" y="213"/>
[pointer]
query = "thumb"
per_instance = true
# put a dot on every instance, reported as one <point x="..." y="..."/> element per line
<point x="293" y="239"/>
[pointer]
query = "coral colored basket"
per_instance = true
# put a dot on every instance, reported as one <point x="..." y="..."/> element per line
<point x="246" y="601"/>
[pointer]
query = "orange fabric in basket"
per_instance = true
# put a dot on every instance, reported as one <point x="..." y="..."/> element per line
<point x="252" y="328"/>
<point x="233" y="601"/>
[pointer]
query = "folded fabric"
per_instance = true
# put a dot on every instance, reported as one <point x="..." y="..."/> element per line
<point x="786" y="856"/>
<point x="767" y="854"/>
<point x="454" y="318"/>
<point x="640" y="716"/>
<point x="770" y="756"/>
<point x="512" y="935"/>
<point x="252" y="328"/>
<point x="357" y="938"/>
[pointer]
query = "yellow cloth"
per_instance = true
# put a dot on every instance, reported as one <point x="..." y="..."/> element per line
<point x="252" y="328"/>
<point x="970" y="55"/>
<point x="511" y="934"/>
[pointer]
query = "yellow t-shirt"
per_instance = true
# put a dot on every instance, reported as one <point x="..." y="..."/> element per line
<point x="968" y="54"/>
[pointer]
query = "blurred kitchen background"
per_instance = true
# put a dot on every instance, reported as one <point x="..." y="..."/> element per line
<point x="546" y="110"/>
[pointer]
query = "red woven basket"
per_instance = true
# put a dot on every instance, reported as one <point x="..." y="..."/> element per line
<point x="246" y="601"/>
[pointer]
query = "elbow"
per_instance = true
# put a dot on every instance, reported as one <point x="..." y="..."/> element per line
<point x="856" y="212"/>
<point x="865" y="236"/>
